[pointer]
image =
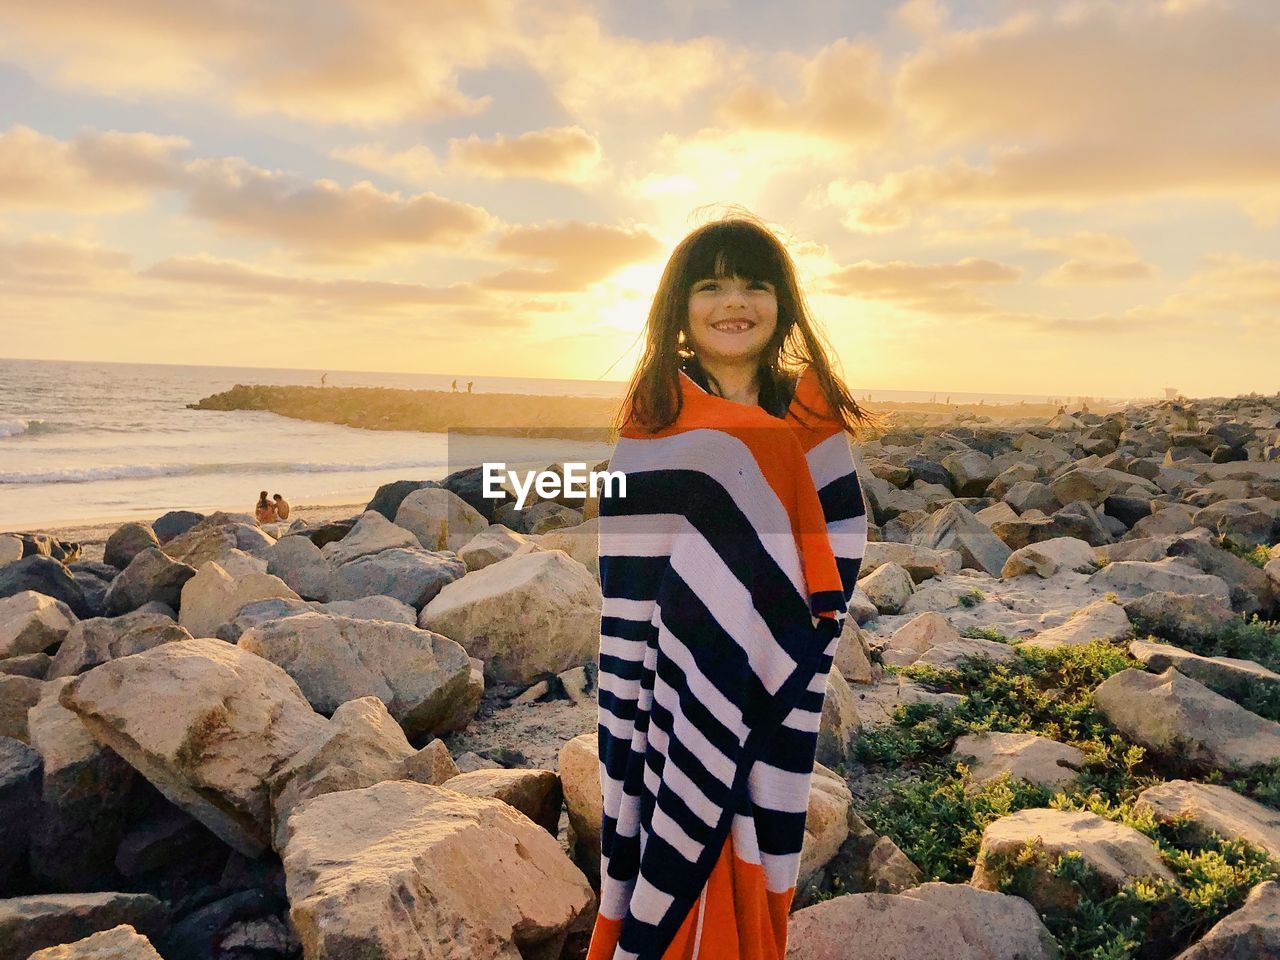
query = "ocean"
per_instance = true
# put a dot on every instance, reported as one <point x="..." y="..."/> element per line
<point x="83" y="442"/>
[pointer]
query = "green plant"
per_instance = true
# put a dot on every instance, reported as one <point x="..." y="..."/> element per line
<point x="971" y="598"/>
<point x="985" y="633"/>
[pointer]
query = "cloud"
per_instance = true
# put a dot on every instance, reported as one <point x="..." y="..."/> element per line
<point x="237" y="277"/>
<point x="841" y="98"/>
<point x="91" y="173"/>
<point x="365" y="63"/>
<point x="48" y="265"/>
<point x="417" y="165"/>
<point x="1092" y="258"/>
<point x="321" y="215"/>
<point x="929" y="288"/>
<point x="568" y="154"/>
<point x="578" y="254"/>
<point x="921" y="16"/>
<point x="1097" y="271"/>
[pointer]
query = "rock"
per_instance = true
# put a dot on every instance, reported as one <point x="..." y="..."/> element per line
<point x="20" y="768"/>
<point x="469" y="876"/>
<point x="1093" y="486"/>
<point x="85" y="795"/>
<point x="388" y="497"/>
<point x="916" y="637"/>
<point x="1252" y="931"/>
<point x="921" y="563"/>
<point x="1031" y="495"/>
<point x="888" y="587"/>
<point x="431" y="765"/>
<point x="412" y="576"/>
<point x="949" y="656"/>
<point x="582" y="542"/>
<point x="1182" y="618"/>
<point x="492" y="544"/>
<point x="935" y="921"/>
<point x="421" y="676"/>
<point x="853" y="654"/>
<point x="547" y="516"/>
<point x="1174" y="715"/>
<point x="372" y="534"/>
<point x="43" y="545"/>
<point x="1225" y="675"/>
<point x="468" y="761"/>
<point x="525" y="616"/>
<point x="164" y="841"/>
<point x="1213" y="809"/>
<point x="99" y="639"/>
<point x="10" y="549"/>
<point x="217" y="538"/>
<point x="840" y="723"/>
<point x="1172" y="518"/>
<point x="1049" y="557"/>
<point x="213" y="597"/>
<point x="439" y="518"/>
<point x="535" y="793"/>
<point x="199" y="932"/>
<point x="362" y="745"/>
<point x="999" y="512"/>
<point x="1022" y="755"/>
<point x="889" y="870"/>
<point x="1101" y="619"/>
<point x="1116" y="853"/>
<point x="298" y="562"/>
<point x="970" y="471"/>
<point x="826" y="823"/>
<point x="579" y="769"/>
<point x="174" y="524"/>
<point x="17" y="696"/>
<point x="206" y="723"/>
<point x="30" y="622"/>
<point x="1249" y="588"/>
<point x="118" y="943"/>
<point x="34" y="665"/>
<point x="28" y="924"/>
<point x="45" y="576"/>
<point x="127" y="542"/>
<point x="151" y="576"/>
<point x="258" y="612"/>
<point x="955" y="528"/>
<point x="1132" y="578"/>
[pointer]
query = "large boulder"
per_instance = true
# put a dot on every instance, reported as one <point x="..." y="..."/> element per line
<point x="1209" y="809"/>
<point x="1132" y="578"/>
<point x="970" y="472"/>
<point x="1173" y="715"/>
<point x="118" y="943"/>
<point x="19" y="796"/>
<point x="46" y="576"/>
<point x="28" y="924"/>
<point x="218" y="538"/>
<point x="99" y="639"/>
<point x="1251" y="932"/>
<point x="1182" y="618"/>
<point x="17" y="696"/>
<point x="525" y="616"/>
<point x="535" y="793"/>
<point x="470" y="877"/>
<point x="298" y="562"/>
<point x="579" y="768"/>
<point x="840" y="724"/>
<point x="421" y="676"/>
<point x="1048" y="557"/>
<point x="258" y="612"/>
<point x="213" y="597"/>
<point x="1024" y="756"/>
<point x="174" y="524"/>
<point x="1228" y="676"/>
<point x="955" y="528"/>
<point x="492" y="544"/>
<point x="921" y="563"/>
<point x="362" y="745"/>
<point x="1116" y="853"/>
<point x="888" y="587"/>
<point x="1102" y="619"/>
<point x="412" y="576"/>
<point x="30" y="622"/>
<point x="935" y="921"/>
<point x="152" y="575"/>
<point x="439" y="518"/>
<point x="207" y="723"/>
<point x="126" y="542"/>
<point x="582" y="542"/>
<point x="372" y="534"/>
<point x="388" y="497"/>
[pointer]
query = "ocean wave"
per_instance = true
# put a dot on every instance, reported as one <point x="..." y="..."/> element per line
<point x="11" y="428"/>
<point x="147" y="471"/>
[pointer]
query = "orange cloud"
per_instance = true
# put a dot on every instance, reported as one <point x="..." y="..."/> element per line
<point x="579" y="254"/>
<point x="931" y="288"/>
<point x="568" y="154"/>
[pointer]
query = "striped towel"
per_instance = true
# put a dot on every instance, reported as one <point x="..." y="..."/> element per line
<point x="727" y="571"/>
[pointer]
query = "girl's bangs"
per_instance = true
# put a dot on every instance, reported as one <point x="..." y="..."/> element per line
<point x="734" y="253"/>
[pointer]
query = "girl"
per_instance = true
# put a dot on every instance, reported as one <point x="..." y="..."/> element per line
<point x="726" y="570"/>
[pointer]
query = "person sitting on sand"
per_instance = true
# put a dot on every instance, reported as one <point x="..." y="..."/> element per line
<point x="265" y="510"/>
<point x="282" y="507"/>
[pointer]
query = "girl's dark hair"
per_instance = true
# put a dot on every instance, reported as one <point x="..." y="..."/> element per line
<point x="736" y="245"/>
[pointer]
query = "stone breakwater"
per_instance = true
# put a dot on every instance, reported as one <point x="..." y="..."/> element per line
<point x="375" y="736"/>
<point x="428" y="411"/>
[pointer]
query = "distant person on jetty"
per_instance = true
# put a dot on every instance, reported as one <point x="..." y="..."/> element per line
<point x="734" y="382"/>
<point x="282" y="507"/>
<point x="469" y="383"/>
<point x="324" y="379"/>
<point x="455" y="386"/>
<point x="265" y="510"/>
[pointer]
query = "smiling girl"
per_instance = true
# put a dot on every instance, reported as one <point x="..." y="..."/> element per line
<point x="726" y="571"/>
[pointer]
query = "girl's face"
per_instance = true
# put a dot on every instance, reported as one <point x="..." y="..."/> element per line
<point x="731" y="318"/>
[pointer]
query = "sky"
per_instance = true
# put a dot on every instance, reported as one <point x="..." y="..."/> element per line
<point x="1074" y="198"/>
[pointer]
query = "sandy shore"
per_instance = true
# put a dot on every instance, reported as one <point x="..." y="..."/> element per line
<point x="92" y="534"/>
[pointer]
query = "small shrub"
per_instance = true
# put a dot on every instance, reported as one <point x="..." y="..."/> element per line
<point x="985" y="633"/>
<point x="971" y="598"/>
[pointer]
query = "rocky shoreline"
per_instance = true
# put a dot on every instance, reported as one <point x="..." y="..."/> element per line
<point x="1052" y="729"/>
